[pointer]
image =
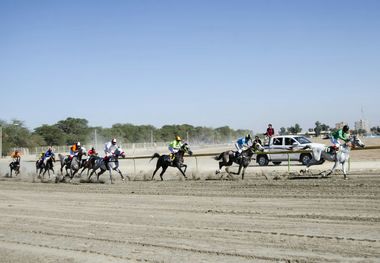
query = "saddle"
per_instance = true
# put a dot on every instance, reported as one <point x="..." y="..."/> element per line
<point x="332" y="150"/>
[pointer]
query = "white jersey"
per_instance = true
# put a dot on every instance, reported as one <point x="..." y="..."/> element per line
<point x="109" y="148"/>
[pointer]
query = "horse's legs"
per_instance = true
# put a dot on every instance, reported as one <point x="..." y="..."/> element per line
<point x="155" y="171"/>
<point x="333" y="169"/>
<point x="221" y="164"/>
<point x="163" y="171"/>
<point x="118" y="170"/>
<point x="184" y="165"/>
<point x="242" y="175"/>
<point x="228" y="172"/>
<point x="84" y="168"/>
<point x="238" y="172"/>
<point x="182" y="172"/>
<point x="99" y="174"/>
<point x="110" y="172"/>
<point x="344" y="168"/>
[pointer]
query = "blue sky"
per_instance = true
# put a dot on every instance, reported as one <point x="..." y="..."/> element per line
<point x="208" y="63"/>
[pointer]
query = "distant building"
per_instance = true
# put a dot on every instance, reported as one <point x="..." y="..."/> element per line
<point x="340" y="125"/>
<point x="362" y="125"/>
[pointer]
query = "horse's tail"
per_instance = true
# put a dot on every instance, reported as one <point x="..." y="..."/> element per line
<point x="155" y="155"/>
<point x="220" y="156"/>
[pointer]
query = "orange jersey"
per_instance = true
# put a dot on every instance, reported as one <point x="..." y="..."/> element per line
<point x="74" y="148"/>
<point x="15" y="155"/>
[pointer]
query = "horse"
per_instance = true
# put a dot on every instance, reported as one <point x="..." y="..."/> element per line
<point x="88" y="164"/>
<point x="111" y="164"/>
<point x="341" y="157"/>
<point x="15" y="166"/>
<point x="76" y="162"/>
<point x="65" y="162"/>
<point x="40" y="165"/>
<point x="165" y="161"/>
<point x="229" y="157"/>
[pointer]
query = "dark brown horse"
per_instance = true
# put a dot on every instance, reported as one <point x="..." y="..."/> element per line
<point x="15" y="166"/>
<point x="229" y="157"/>
<point x="45" y="166"/>
<point x="165" y="161"/>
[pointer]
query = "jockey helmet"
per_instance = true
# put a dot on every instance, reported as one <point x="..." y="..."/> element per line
<point x="346" y="128"/>
<point x="92" y="149"/>
<point x="78" y="144"/>
<point x="113" y="141"/>
<point x="248" y="137"/>
<point x="178" y="138"/>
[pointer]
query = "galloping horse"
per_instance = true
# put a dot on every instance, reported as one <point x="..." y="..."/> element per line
<point x="228" y="158"/>
<point x="88" y="164"/>
<point x="320" y="152"/>
<point x="15" y="166"/>
<point x="69" y="164"/>
<point x="111" y="164"/>
<point x="65" y="162"/>
<point x="76" y="162"/>
<point x="40" y="165"/>
<point x="164" y="161"/>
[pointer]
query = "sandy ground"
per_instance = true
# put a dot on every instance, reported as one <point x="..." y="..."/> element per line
<point x="265" y="218"/>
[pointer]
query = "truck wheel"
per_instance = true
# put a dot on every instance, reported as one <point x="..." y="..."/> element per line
<point x="276" y="163"/>
<point x="262" y="160"/>
<point x="305" y="158"/>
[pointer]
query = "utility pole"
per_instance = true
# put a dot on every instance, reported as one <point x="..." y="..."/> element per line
<point x="187" y="137"/>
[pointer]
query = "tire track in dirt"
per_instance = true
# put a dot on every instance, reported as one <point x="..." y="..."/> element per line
<point x="273" y="233"/>
<point x="147" y="244"/>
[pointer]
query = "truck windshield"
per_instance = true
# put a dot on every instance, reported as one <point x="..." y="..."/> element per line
<point x="302" y="140"/>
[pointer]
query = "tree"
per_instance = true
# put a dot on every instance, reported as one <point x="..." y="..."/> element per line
<point x="76" y="129"/>
<point x="319" y="127"/>
<point x="51" y="134"/>
<point x="283" y="131"/>
<point x="16" y="135"/>
<point x="375" y="130"/>
<point x="295" y="129"/>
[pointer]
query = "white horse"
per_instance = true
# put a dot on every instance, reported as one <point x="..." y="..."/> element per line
<point x="111" y="164"/>
<point x="321" y="153"/>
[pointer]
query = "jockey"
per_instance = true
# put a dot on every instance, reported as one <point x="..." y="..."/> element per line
<point x="47" y="155"/>
<point x="109" y="148"/>
<point x="242" y="143"/>
<point x="74" y="149"/>
<point x="16" y="156"/>
<point x="257" y="140"/>
<point x="341" y="134"/>
<point x="174" y="147"/>
<point x="92" y="152"/>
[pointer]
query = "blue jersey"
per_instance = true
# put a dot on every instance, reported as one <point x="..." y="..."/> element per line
<point x="48" y="154"/>
<point x="242" y="141"/>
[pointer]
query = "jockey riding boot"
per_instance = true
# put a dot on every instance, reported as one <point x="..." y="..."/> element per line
<point x="172" y="156"/>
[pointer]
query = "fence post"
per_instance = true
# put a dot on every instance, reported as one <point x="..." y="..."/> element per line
<point x="134" y="166"/>
<point x="196" y="164"/>
<point x="288" y="163"/>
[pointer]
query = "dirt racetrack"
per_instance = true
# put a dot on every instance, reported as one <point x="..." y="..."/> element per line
<point x="255" y="220"/>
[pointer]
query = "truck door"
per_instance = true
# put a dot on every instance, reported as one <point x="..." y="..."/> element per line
<point x="277" y="146"/>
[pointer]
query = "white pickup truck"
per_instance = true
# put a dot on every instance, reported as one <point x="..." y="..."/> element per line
<point x="285" y="143"/>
